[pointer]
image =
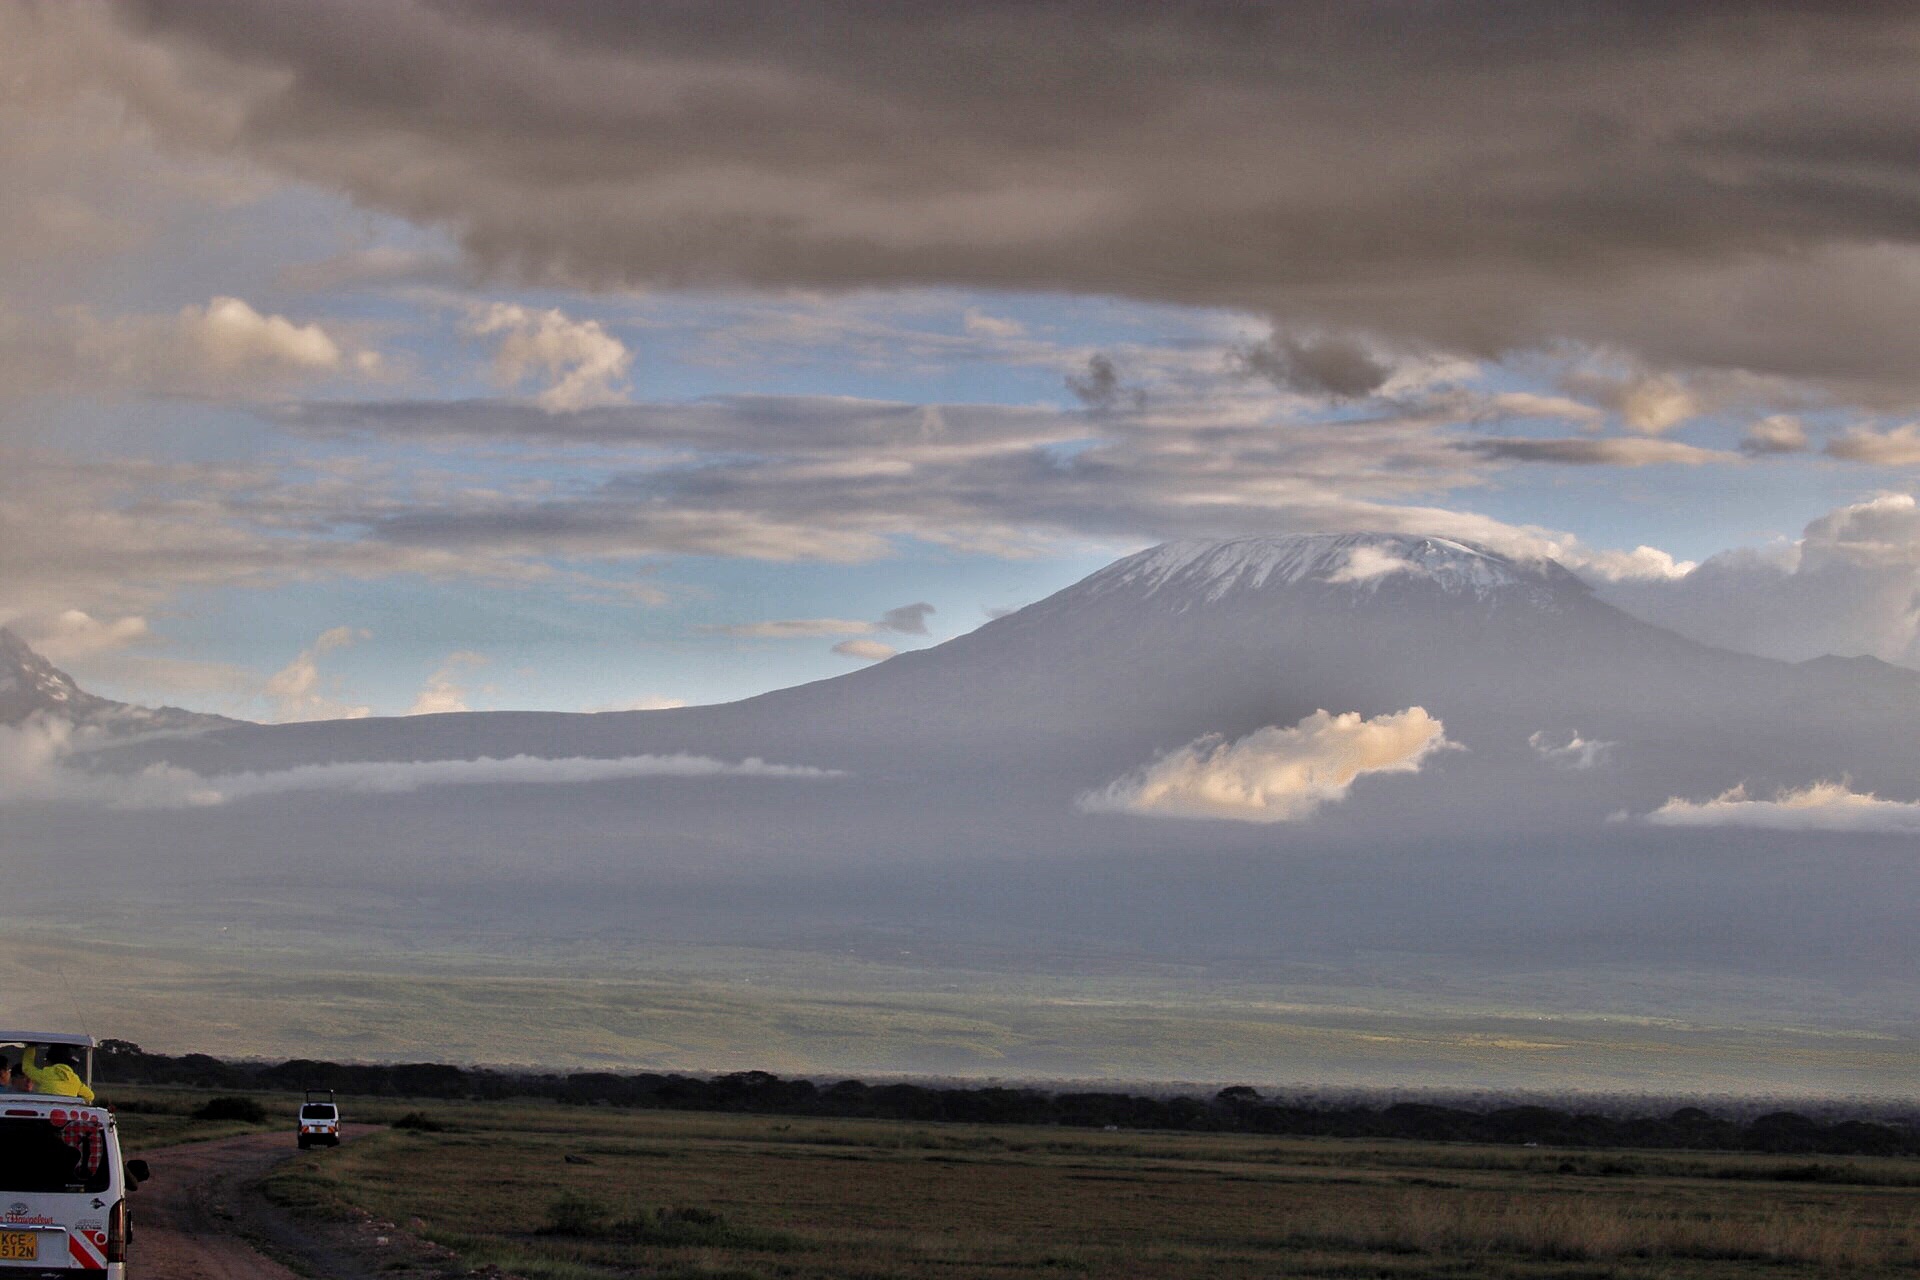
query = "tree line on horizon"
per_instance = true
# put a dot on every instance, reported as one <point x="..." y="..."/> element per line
<point x="1237" y="1109"/>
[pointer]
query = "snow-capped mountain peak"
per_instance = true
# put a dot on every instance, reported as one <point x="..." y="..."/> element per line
<point x="28" y="682"/>
<point x="1209" y="570"/>
<point x="30" y="685"/>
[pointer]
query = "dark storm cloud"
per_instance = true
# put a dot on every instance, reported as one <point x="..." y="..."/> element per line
<point x="1611" y="452"/>
<point x="908" y="619"/>
<point x="1331" y="366"/>
<point x="1098" y="387"/>
<point x="1477" y="176"/>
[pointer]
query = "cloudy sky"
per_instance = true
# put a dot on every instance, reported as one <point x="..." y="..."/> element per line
<point x="380" y="356"/>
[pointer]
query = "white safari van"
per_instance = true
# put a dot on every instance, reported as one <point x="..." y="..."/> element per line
<point x="319" y="1121"/>
<point x="63" y="1188"/>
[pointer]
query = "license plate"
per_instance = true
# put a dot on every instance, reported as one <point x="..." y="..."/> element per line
<point x="19" y="1246"/>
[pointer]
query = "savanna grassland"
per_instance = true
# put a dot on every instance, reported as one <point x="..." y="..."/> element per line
<point x="566" y="1193"/>
<point x="373" y="978"/>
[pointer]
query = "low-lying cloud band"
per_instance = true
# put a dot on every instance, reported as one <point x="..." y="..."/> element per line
<point x="1824" y="806"/>
<point x="39" y="764"/>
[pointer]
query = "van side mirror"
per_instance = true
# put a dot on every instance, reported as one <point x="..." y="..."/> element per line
<point x="139" y="1170"/>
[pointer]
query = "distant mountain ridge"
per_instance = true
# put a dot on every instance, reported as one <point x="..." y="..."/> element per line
<point x="30" y="685"/>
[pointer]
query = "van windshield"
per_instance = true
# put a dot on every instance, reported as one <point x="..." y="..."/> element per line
<point x="59" y="1152"/>
<point x="316" y="1111"/>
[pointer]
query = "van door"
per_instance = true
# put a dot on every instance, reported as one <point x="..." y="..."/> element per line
<point x="59" y="1187"/>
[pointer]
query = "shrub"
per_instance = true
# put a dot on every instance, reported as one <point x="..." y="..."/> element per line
<point x="419" y="1123"/>
<point x="690" y="1227"/>
<point x="687" y="1227"/>
<point x="572" y="1214"/>
<point x="232" y="1108"/>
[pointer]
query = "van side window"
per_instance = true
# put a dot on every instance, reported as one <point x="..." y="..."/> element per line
<point x="60" y="1152"/>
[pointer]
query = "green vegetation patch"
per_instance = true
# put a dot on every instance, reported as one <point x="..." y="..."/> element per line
<point x="150" y="1117"/>
<point x="307" y="1190"/>
<point x="685" y="1227"/>
<point x="233" y="1107"/>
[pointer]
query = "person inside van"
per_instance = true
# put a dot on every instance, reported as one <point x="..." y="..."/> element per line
<point x="57" y="1076"/>
<point x="39" y="1159"/>
<point x="8" y="1082"/>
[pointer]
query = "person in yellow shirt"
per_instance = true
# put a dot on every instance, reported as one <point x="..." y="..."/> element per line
<point x="57" y="1076"/>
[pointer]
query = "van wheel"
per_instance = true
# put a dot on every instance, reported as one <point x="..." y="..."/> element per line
<point x="304" y="1144"/>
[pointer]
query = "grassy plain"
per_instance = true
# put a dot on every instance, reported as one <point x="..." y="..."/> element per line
<point x="180" y="984"/>
<point x="562" y="1193"/>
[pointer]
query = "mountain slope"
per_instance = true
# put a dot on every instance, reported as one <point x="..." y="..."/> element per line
<point x="30" y="685"/>
<point x="1226" y="637"/>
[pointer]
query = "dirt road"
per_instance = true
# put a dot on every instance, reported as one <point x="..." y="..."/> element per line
<point x="188" y="1220"/>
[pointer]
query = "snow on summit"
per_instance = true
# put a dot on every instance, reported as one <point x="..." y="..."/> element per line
<point x="30" y="685"/>
<point x="28" y="682"/>
<point x="1209" y="570"/>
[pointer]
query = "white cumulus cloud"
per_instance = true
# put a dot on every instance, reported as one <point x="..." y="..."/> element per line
<point x="1576" y="753"/>
<point x="1895" y="447"/>
<point x="444" y="692"/>
<point x="1367" y="563"/>
<point x="582" y="364"/>
<point x="1846" y="586"/>
<point x="865" y="650"/>
<point x="1656" y="404"/>
<point x="980" y="324"/>
<point x="1824" y="806"/>
<point x="296" y="690"/>
<point x="75" y="633"/>
<point x="224" y="349"/>
<point x="229" y="334"/>
<point x="1645" y="402"/>
<point x="1274" y="774"/>
<point x="1528" y="404"/>
<point x="1778" y="433"/>
<point x="1642" y="564"/>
